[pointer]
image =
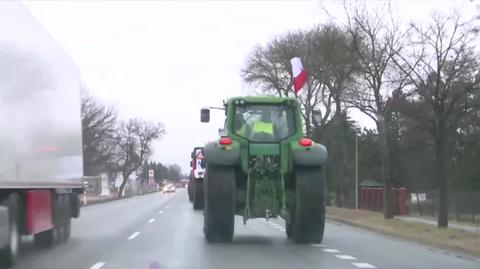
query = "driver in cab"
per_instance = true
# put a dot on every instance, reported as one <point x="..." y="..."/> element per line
<point x="263" y="129"/>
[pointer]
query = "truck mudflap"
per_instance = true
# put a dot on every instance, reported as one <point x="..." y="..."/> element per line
<point x="218" y="154"/>
<point x="315" y="155"/>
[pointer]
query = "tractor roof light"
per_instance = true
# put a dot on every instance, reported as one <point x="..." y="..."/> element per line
<point x="225" y="141"/>
<point x="305" y="142"/>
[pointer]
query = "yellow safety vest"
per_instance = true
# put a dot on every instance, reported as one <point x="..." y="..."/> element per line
<point x="262" y="127"/>
<point x="242" y="130"/>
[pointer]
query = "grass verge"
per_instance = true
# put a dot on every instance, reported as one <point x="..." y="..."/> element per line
<point x="423" y="233"/>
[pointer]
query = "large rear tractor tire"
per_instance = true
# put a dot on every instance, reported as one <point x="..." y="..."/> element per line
<point x="309" y="216"/>
<point x="198" y="198"/>
<point x="10" y="254"/>
<point x="219" y="213"/>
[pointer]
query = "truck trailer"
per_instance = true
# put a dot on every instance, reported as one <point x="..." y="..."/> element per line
<point x="41" y="163"/>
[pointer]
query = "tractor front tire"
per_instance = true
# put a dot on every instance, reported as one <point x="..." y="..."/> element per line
<point x="309" y="217"/>
<point x="219" y="213"/>
<point x="198" y="199"/>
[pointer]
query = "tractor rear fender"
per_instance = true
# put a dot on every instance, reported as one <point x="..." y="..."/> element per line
<point x="218" y="154"/>
<point x="315" y="155"/>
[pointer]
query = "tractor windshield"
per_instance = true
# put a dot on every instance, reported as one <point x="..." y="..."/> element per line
<point x="264" y="123"/>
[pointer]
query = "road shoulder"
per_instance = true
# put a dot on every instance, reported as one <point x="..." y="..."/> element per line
<point x="447" y="238"/>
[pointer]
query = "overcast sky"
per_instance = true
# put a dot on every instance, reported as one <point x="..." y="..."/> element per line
<point x="163" y="61"/>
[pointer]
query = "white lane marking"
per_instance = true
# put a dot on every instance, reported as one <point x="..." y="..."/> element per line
<point x="135" y="234"/>
<point x="345" y="257"/>
<point x="330" y="250"/>
<point x="363" y="265"/>
<point x="166" y="207"/>
<point x="151" y="220"/>
<point x="319" y="245"/>
<point x="282" y="230"/>
<point x="160" y="212"/>
<point x="98" y="265"/>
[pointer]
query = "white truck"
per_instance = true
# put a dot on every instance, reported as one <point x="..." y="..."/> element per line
<point x="41" y="163"/>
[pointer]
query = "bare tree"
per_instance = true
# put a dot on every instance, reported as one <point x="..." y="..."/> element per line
<point x="444" y="67"/>
<point x="376" y="39"/>
<point x="337" y="61"/>
<point x="133" y="140"/>
<point x="324" y="56"/>
<point x="98" y="128"/>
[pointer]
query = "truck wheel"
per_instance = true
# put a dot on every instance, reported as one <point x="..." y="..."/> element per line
<point x="309" y="219"/>
<point x="59" y="219"/>
<point x="190" y="192"/>
<point x="198" y="199"/>
<point x="219" y="213"/>
<point x="10" y="253"/>
<point x="66" y="221"/>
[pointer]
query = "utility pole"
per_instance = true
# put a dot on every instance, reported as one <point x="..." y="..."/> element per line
<point x="356" y="172"/>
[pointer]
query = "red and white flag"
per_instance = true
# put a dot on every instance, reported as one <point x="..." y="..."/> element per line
<point x="299" y="74"/>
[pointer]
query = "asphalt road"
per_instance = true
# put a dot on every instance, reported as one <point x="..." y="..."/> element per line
<point x="159" y="231"/>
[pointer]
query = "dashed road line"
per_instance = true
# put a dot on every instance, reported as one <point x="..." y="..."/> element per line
<point x="363" y="265"/>
<point x="330" y="250"/>
<point x="98" y="265"/>
<point x="282" y="229"/>
<point x="319" y="245"/>
<point x="151" y="220"/>
<point x="135" y="234"/>
<point x="345" y="257"/>
<point x="160" y="212"/>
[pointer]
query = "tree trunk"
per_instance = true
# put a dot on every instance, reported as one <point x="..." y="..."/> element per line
<point x="308" y="127"/>
<point x="122" y="186"/>
<point x="385" y="166"/>
<point x="350" y="188"/>
<point x="419" y="206"/>
<point x="440" y="151"/>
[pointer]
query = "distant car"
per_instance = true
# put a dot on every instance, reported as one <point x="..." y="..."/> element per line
<point x="168" y="188"/>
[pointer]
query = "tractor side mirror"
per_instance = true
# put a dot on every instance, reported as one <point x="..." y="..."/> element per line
<point x="192" y="155"/>
<point x="317" y="117"/>
<point x="191" y="163"/>
<point x="205" y="115"/>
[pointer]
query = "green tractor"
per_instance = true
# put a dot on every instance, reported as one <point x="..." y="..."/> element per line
<point x="264" y="167"/>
